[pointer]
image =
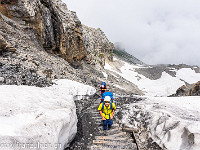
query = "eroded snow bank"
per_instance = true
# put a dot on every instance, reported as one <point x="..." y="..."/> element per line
<point x="39" y="118"/>
<point x="173" y="122"/>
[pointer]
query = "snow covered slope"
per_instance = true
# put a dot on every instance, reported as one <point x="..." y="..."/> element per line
<point x="43" y="118"/>
<point x="173" y="122"/>
<point x="165" y="85"/>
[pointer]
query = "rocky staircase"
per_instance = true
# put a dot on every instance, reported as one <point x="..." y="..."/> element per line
<point x="114" y="138"/>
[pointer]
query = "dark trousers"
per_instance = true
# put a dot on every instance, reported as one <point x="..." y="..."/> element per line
<point x="107" y="123"/>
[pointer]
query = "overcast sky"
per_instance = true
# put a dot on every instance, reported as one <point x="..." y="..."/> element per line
<point x="155" y="31"/>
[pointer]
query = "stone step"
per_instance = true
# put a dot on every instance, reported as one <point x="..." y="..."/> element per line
<point x="98" y="120"/>
<point x="100" y="147"/>
<point x="100" y="125"/>
<point x="111" y="131"/>
<point x="115" y="125"/>
<point x="97" y="117"/>
<point x="119" y="134"/>
<point x="95" y="112"/>
<point x="95" y="105"/>
<point x="129" y="129"/>
<point x="114" y="129"/>
<point x="93" y="109"/>
<point x="96" y="148"/>
<point x="112" y="143"/>
<point x="110" y="138"/>
<point x="114" y="133"/>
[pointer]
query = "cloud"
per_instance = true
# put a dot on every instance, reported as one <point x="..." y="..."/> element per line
<point x="155" y="31"/>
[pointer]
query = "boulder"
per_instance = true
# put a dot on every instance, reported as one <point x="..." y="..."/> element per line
<point x="195" y="90"/>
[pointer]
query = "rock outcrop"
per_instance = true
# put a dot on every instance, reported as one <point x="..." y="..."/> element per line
<point x="58" y="29"/>
<point x="188" y="90"/>
<point x="195" y="90"/>
<point x="43" y="34"/>
<point x="97" y="45"/>
<point x="5" y="46"/>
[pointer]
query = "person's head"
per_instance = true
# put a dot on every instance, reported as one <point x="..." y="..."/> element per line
<point x="104" y="84"/>
<point x="107" y="100"/>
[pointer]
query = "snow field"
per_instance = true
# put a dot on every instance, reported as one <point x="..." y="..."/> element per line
<point x="164" y="86"/>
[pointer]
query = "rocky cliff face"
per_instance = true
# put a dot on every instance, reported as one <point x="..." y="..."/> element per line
<point x="58" y="29"/>
<point x="97" y="45"/>
<point x="30" y="29"/>
<point x="38" y="36"/>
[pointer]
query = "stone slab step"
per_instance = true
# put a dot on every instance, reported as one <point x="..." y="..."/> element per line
<point x="129" y="129"/>
<point x="94" y="106"/>
<point x="99" y="147"/>
<point x="114" y="129"/>
<point x="119" y="134"/>
<point x="98" y="120"/>
<point x="115" y="125"/>
<point x="97" y="117"/>
<point x="110" y="138"/>
<point x="95" y="148"/>
<point x="95" y="112"/>
<point x="112" y="143"/>
<point x="111" y="131"/>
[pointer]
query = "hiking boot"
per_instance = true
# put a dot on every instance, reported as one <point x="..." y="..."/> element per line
<point x="109" y="127"/>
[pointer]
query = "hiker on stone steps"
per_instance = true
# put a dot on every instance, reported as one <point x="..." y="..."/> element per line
<point x="106" y="110"/>
<point x="107" y="94"/>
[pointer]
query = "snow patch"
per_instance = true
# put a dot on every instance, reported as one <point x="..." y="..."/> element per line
<point x="119" y="86"/>
<point x="188" y="75"/>
<point x="105" y="75"/>
<point x="173" y="122"/>
<point x="164" y="86"/>
<point x="107" y="66"/>
<point x="40" y="115"/>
